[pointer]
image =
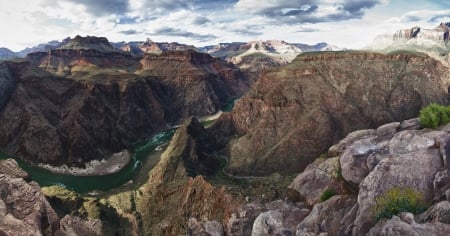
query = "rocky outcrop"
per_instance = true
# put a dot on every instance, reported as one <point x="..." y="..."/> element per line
<point x="293" y="114"/>
<point x="371" y="163"/>
<point x="102" y="103"/>
<point x="176" y="198"/>
<point x="25" y="210"/>
<point x="320" y="176"/>
<point x="406" y="225"/>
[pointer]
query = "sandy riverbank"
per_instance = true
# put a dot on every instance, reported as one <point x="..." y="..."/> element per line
<point x="96" y="167"/>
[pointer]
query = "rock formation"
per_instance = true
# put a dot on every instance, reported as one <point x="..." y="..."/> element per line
<point x="256" y="55"/>
<point x="24" y="210"/>
<point x="176" y="194"/>
<point x="88" y="100"/>
<point x="294" y="113"/>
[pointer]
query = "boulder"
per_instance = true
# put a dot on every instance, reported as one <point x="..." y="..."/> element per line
<point x="405" y="225"/>
<point x="319" y="176"/>
<point x="395" y="172"/>
<point x="439" y="212"/>
<point x="242" y="222"/>
<point x="412" y="140"/>
<point x="343" y="144"/>
<point x="210" y="228"/>
<point x="72" y="225"/>
<point x="333" y="216"/>
<point x="24" y="210"/>
<point x="354" y="159"/>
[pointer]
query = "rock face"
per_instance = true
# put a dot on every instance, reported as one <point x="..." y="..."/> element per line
<point x="370" y="162"/>
<point x="406" y="225"/>
<point x="175" y="189"/>
<point x="25" y="210"/>
<point x="92" y="100"/>
<point x="294" y="113"/>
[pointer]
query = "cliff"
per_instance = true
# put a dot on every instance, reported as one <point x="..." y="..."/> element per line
<point x="294" y="113"/>
<point x="70" y="106"/>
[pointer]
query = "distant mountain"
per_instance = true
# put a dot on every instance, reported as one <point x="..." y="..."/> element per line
<point x="100" y="44"/>
<point x="413" y="38"/>
<point x="139" y="48"/>
<point x="433" y="42"/>
<point x="43" y="47"/>
<point x="5" y="53"/>
<point x="256" y="54"/>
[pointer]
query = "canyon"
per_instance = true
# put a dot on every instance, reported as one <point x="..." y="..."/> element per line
<point x="308" y="148"/>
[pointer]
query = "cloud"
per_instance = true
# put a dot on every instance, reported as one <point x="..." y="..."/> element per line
<point x="308" y="11"/>
<point x="429" y="16"/>
<point x="129" y="32"/>
<point x="200" y="20"/>
<point x="97" y="7"/>
<point x="169" y="31"/>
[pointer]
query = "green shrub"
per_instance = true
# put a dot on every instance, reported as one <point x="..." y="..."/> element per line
<point x="434" y="115"/>
<point x="398" y="200"/>
<point x="327" y="194"/>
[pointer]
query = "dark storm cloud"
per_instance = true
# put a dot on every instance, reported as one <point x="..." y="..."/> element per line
<point x="104" y="7"/>
<point x="129" y="32"/>
<point x="308" y="11"/>
<point x="168" y="31"/>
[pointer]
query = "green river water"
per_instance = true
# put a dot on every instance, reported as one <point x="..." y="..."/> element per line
<point x="85" y="184"/>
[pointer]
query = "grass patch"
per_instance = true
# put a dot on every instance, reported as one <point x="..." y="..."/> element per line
<point x="327" y="194"/>
<point x="398" y="200"/>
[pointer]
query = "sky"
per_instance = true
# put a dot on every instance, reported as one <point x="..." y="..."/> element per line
<point x="344" y="23"/>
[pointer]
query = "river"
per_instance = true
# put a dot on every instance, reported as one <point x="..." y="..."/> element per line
<point x="132" y="172"/>
<point x="86" y="184"/>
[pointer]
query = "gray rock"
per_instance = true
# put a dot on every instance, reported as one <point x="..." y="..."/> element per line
<point x="268" y="223"/>
<point x="329" y="217"/>
<point x="72" y="225"/>
<point x="439" y="212"/>
<point x="441" y="184"/>
<point x="282" y="219"/>
<point x="317" y="177"/>
<point x="242" y="222"/>
<point x="389" y="129"/>
<point x="411" y="124"/>
<point x="412" y="140"/>
<point x="208" y="228"/>
<point x="354" y="159"/>
<point x="339" y="148"/>
<point x="405" y="225"/>
<point x="11" y="168"/>
<point x="396" y="172"/>
<point x="24" y="209"/>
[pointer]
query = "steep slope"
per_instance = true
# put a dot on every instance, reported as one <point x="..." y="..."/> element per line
<point x="83" y="104"/>
<point x="176" y="189"/>
<point x="294" y="113"/>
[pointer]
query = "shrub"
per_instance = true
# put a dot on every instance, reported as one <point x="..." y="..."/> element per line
<point x="327" y="194"/>
<point x="398" y="200"/>
<point x="434" y="115"/>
